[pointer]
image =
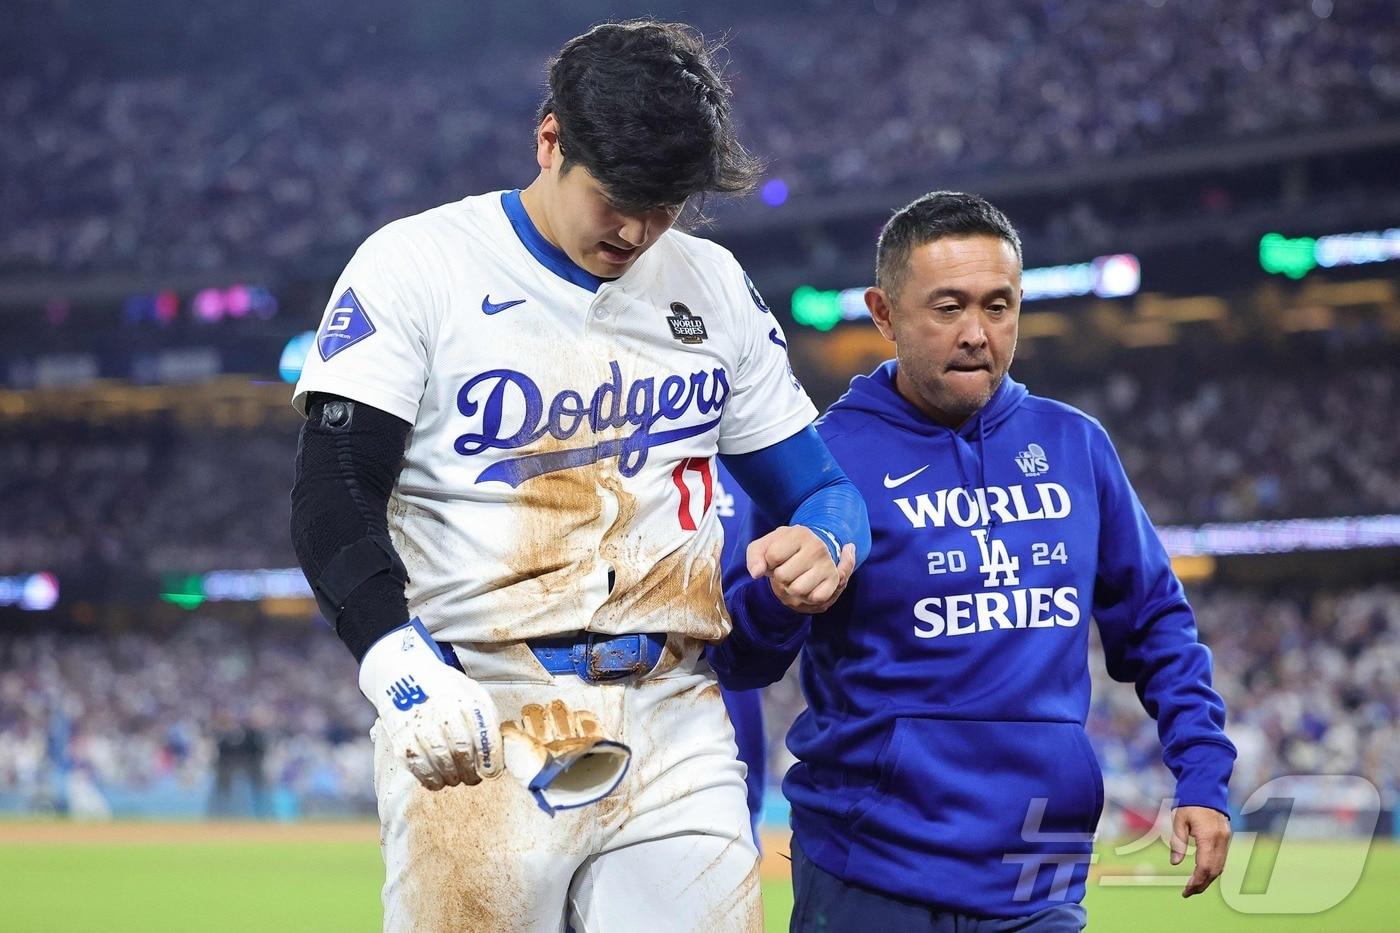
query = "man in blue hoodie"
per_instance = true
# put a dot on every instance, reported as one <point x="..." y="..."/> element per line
<point x="944" y="779"/>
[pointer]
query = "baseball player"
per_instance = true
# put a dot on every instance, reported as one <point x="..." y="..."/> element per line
<point x="504" y="503"/>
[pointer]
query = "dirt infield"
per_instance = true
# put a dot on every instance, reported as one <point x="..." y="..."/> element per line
<point x="57" y="832"/>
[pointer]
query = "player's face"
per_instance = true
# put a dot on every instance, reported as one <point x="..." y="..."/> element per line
<point x="580" y="219"/>
<point x="954" y="323"/>
<point x="597" y="235"/>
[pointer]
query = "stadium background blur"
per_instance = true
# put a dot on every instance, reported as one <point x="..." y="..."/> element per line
<point x="1207" y="195"/>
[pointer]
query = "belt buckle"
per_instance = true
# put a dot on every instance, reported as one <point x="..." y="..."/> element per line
<point x="610" y="660"/>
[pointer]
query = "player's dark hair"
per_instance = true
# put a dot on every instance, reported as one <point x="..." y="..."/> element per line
<point x="934" y="216"/>
<point x="642" y="106"/>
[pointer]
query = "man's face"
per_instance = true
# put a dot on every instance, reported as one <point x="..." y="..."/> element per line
<point x="579" y="218"/>
<point x="954" y="323"/>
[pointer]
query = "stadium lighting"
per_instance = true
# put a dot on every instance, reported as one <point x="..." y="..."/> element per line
<point x="251" y="585"/>
<point x="774" y="192"/>
<point x="1295" y="257"/>
<point x="33" y="592"/>
<point x="294" y="356"/>
<point x="185" y="591"/>
<point x="1276" y="537"/>
<point x="824" y="309"/>
<point x="1115" y="276"/>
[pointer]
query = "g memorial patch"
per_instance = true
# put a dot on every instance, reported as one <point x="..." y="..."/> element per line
<point x="346" y="325"/>
<point x="753" y="293"/>
<point x="685" y="326"/>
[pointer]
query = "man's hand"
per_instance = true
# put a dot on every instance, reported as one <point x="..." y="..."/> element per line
<point x="438" y="721"/>
<point x="1211" y="831"/>
<point x="798" y="566"/>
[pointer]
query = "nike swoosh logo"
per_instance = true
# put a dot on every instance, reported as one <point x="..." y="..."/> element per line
<point x="901" y="480"/>
<point x="490" y="307"/>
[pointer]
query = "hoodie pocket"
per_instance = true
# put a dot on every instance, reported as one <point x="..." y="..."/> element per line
<point x="973" y="789"/>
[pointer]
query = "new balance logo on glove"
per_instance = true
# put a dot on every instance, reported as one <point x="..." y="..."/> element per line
<point x="406" y="694"/>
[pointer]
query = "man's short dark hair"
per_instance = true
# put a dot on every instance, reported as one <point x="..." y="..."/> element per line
<point x="642" y="106"/>
<point x="932" y="217"/>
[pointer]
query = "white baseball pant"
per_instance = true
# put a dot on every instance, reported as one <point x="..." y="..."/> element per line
<point x="668" y="850"/>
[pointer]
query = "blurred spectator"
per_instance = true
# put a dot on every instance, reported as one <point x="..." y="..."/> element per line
<point x="145" y="495"/>
<point x="1203" y="447"/>
<point x="240" y="750"/>
<point x="142" y="712"/>
<point x="278" y="158"/>
<point x="1311" y="680"/>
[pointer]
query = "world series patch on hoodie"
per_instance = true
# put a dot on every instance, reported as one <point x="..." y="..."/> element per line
<point x="942" y="757"/>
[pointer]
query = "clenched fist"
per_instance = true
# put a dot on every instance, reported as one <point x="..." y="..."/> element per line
<point x="438" y="721"/>
<point x="798" y="566"/>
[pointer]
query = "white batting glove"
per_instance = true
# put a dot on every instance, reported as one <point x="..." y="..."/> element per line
<point x="562" y="756"/>
<point x="437" y="720"/>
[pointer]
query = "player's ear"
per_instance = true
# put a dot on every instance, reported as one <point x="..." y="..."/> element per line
<point x="547" y="154"/>
<point x="878" y="301"/>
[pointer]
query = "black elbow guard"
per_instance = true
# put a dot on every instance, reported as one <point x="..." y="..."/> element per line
<point x="348" y="458"/>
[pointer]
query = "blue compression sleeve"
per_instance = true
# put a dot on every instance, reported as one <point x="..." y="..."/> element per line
<point x="797" y="482"/>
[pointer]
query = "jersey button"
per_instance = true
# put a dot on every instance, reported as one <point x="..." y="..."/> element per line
<point x="601" y="314"/>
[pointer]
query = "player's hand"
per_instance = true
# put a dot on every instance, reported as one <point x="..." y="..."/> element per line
<point x="798" y="566"/>
<point x="438" y="721"/>
<point x="1211" y="831"/>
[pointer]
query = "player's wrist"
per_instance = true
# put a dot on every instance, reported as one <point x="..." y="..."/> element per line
<point x="393" y="667"/>
<point x="827" y="538"/>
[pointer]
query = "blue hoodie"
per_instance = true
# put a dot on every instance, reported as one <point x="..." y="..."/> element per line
<point x="942" y="757"/>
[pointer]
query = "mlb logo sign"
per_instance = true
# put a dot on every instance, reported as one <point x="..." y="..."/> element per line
<point x="685" y="326"/>
<point x="1032" y="460"/>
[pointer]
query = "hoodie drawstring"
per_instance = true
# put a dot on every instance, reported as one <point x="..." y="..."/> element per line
<point x="982" y="475"/>
<point x="957" y="456"/>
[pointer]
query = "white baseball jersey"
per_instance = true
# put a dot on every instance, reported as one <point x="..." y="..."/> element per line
<point x="559" y="475"/>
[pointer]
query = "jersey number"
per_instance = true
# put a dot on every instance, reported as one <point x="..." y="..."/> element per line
<point x="700" y="465"/>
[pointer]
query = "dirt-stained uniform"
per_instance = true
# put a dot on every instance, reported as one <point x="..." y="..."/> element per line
<point x="559" y="478"/>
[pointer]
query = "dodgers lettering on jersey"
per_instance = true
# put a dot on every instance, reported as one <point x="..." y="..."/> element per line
<point x="559" y="475"/>
<point x="611" y="405"/>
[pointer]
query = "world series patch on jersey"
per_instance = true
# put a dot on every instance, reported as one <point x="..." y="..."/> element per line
<point x="560" y="472"/>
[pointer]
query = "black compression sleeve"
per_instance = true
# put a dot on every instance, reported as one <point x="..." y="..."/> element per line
<point x="348" y="459"/>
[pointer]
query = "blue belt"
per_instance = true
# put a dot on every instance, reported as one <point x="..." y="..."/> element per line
<point x="599" y="658"/>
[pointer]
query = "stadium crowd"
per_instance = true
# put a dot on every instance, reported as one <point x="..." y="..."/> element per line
<point x="156" y="497"/>
<point x="1247" y="446"/>
<point x="1312" y="680"/>
<point x="144" y="495"/>
<point x="203" y="169"/>
<point x="136" y="712"/>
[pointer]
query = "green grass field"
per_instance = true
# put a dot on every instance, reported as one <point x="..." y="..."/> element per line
<point x="144" y="878"/>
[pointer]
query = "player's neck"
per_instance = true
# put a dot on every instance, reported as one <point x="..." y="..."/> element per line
<point x="532" y="199"/>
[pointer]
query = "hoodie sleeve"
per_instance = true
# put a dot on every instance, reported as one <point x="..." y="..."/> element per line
<point x="1149" y="637"/>
<point x="766" y="636"/>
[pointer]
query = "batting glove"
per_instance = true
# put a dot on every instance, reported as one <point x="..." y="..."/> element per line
<point x="562" y="756"/>
<point x="436" y="719"/>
